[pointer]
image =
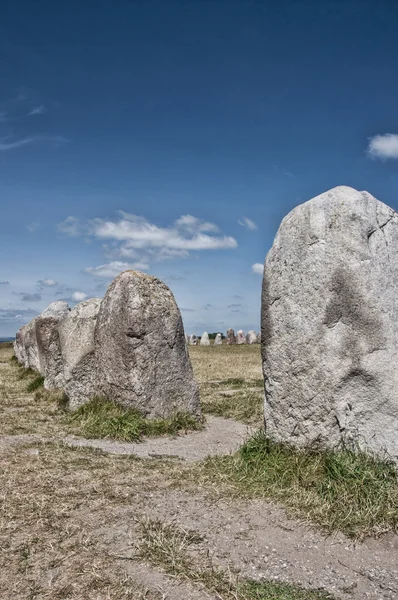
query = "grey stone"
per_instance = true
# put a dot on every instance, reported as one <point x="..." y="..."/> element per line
<point x="76" y="334"/>
<point x="25" y="346"/>
<point x="193" y="340"/>
<point x="141" y="355"/>
<point x="204" y="340"/>
<point x="48" y="343"/>
<point x="240" y="337"/>
<point x="231" y="339"/>
<point x="251" y="337"/>
<point x="330" y="324"/>
<point x="218" y="340"/>
<point x="259" y="337"/>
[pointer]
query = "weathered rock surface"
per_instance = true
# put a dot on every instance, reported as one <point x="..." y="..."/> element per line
<point x="76" y="334"/>
<point x="231" y="339"/>
<point x="240" y="337"/>
<point x="141" y="355"/>
<point x="218" y="340"/>
<point x="48" y="343"/>
<point x="204" y="340"/>
<point x="25" y="346"/>
<point x="193" y="340"/>
<point x="330" y="324"/>
<point x="251" y="337"/>
<point x="259" y="337"/>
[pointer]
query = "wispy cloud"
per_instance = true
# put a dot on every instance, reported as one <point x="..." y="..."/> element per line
<point x="247" y="223"/>
<point x="383" y="146"/>
<point x="9" y="315"/>
<point x="37" y="110"/>
<point x="33" y="226"/>
<point x="4" y="282"/>
<point x="27" y="297"/>
<point x="70" y="226"/>
<point x="258" y="268"/>
<point x="113" y="268"/>
<point x="42" y="283"/>
<point x="12" y="145"/>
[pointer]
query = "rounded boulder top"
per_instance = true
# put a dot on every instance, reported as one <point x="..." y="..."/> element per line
<point x="141" y="354"/>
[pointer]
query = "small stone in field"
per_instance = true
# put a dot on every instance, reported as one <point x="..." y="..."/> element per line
<point x="240" y="337"/>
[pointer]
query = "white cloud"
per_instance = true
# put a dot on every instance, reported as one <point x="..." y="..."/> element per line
<point x="37" y="110"/>
<point x="134" y="237"/>
<point x="70" y="227"/>
<point x="258" y="268"/>
<point x="79" y="296"/>
<point x="384" y="146"/>
<point x="113" y="268"/>
<point x="247" y="223"/>
<point x="186" y="233"/>
<point x="46" y="283"/>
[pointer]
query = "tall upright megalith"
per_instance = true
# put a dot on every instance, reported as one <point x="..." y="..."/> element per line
<point x="76" y="334"/>
<point x="48" y="343"/>
<point x="141" y="354"/>
<point x="330" y="324"/>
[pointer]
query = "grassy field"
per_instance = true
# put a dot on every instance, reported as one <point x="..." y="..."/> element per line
<point x="78" y="523"/>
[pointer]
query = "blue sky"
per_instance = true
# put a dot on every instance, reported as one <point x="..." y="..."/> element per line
<point x="174" y="136"/>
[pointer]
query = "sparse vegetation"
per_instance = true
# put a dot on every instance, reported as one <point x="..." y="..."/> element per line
<point x="36" y="383"/>
<point x="245" y="406"/>
<point x="170" y="547"/>
<point x="339" y="490"/>
<point x="101" y="418"/>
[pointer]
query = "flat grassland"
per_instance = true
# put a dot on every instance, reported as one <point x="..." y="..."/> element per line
<point x="84" y="524"/>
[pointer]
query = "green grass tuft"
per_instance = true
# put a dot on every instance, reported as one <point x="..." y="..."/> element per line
<point x="343" y="490"/>
<point x="35" y="384"/>
<point x="254" y="590"/>
<point x="101" y="418"/>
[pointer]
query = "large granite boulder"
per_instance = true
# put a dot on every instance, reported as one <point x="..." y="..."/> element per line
<point x="218" y="340"/>
<point x="193" y="340"/>
<point x="231" y="339"/>
<point x="251" y="337"/>
<point x="330" y="324"/>
<point x="25" y="346"/>
<point x="48" y="343"/>
<point x="259" y="337"/>
<point x="240" y="337"/>
<point x="140" y="350"/>
<point x="204" y="340"/>
<point x="76" y="334"/>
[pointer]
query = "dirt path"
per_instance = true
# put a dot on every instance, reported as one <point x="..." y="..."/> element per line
<point x="81" y="510"/>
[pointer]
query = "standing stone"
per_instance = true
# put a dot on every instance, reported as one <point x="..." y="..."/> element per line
<point x="193" y="340"/>
<point x="240" y="337"/>
<point x="141" y="355"/>
<point x="25" y="346"/>
<point x="204" y="340"/>
<point x="48" y="343"/>
<point x="251" y="337"/>
<point x="259" y="337"/>
<point x="330" y="324"/>
<point x="187" y="339"/>
<point x="231" y="339"/>
<point x="218" y="340"/>
<point x="76" y="333"/>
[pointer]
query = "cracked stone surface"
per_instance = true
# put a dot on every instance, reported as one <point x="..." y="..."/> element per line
<point x="330" y="323"/>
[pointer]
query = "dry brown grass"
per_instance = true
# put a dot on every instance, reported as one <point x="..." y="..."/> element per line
<point x="215" y="363"/>
<point x="230" y="380"/>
